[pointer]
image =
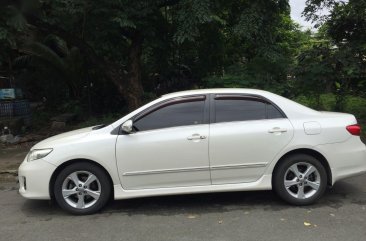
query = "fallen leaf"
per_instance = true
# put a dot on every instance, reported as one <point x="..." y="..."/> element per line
<point x="307" y="224"/>
<point x="246" y="212"/>
<point x="315" y="225"/>
<point x="332" y="214"/>
<point x="282" y="219"/>
<point x="220" y="221"/>
<point x="192" y="216"/>
<point x="309" y="211"/>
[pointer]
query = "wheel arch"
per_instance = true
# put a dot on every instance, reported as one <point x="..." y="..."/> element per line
<point x="70" y="162"/>
<point x="310" y="152"/>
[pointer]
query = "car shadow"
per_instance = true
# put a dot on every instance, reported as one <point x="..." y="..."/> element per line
<point x="341" y="193"/>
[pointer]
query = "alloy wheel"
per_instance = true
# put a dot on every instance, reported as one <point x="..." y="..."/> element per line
<point x="81" y="189"/>
<point x="302" y="180"/>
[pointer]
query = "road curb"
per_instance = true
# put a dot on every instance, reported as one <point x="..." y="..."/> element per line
<point x="13" y="172"/>
<point x="9" y="176"/>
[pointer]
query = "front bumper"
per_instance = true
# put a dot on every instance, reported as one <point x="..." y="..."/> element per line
<point x="34" y="178"/>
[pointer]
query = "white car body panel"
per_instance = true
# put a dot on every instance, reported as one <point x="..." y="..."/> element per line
<point x="164" y="167"/>
<point x="236" y="148"/>
<point x="85" y="144"/>
<point x="153" y="159"/>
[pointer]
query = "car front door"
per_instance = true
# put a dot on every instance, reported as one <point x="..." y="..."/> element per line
<point x="246" y="133"/>
<point x="169" y="147"/>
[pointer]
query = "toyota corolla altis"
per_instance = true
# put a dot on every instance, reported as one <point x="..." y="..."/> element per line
<point x="198" y="141"/>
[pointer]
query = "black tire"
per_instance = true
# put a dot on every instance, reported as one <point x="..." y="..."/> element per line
<point x="104" y="184"/>
<point x="279" y="177"/>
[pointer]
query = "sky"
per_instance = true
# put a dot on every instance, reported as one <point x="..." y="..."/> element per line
<point x="297" y="6"/>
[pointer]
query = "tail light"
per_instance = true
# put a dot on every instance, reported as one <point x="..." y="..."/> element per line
<point x="354" y="129"/>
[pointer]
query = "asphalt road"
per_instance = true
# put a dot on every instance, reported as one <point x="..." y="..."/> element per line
<point x="340" y="215"/>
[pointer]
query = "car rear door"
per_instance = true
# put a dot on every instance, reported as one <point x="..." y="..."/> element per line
<point x="246" y="133"/>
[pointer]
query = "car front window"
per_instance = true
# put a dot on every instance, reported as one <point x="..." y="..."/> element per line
<point x="176" y="114"/>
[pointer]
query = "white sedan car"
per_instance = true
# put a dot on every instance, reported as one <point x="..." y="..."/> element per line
<point x="198" y="141"/>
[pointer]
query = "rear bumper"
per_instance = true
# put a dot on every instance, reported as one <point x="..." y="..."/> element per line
<point x="346" y="159"/>
<point x="34" y="178"/>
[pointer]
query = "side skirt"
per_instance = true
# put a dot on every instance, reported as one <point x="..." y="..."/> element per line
<point x="264" y="183"/>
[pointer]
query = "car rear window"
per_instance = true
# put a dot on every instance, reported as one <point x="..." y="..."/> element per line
<point x="236" y="109"/>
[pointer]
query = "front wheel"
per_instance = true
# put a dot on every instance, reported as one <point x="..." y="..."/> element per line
<point x="300" y="179"/>
<point x="82" y="188"/>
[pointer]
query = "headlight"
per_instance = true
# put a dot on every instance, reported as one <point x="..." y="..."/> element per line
<point x="38" y="154"/>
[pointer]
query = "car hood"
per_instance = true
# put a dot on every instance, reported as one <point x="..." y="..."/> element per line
<point x="63" y="138"/>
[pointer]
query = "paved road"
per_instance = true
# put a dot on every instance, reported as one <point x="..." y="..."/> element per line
<point x="341" y="215"/>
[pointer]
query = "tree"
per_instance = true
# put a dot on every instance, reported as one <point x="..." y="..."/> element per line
<point x="116" y="36"/>
<point x="345" y="30"/>
<point x="12" y="24"/>
<point x="65" y="64"/>
<point x="119" y="25"/>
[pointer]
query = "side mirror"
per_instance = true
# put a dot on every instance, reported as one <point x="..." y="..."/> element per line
<point x="127" y="127"/>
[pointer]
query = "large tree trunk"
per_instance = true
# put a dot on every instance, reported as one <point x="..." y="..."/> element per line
<point x="133" y="87"/>
<point x="129" y="85"/>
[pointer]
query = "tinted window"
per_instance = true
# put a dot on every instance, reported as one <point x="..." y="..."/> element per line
<point x="273" y="112"/>
<point x="179" y="114"/>
<point x="227" y="110"/>
<point x="239" y="110"/>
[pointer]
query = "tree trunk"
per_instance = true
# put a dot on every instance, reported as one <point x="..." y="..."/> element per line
<point x="129" y="85"/>
<point x="133" y="88"/>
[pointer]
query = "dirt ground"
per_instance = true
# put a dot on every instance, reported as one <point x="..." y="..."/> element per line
<point x="10" y="159"/>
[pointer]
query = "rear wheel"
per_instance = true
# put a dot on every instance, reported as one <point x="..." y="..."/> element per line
<point x="82" y="188"/>
<point x="300" y="179"/>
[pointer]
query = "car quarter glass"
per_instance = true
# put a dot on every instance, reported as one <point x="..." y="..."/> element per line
<point x="273" y="112"/>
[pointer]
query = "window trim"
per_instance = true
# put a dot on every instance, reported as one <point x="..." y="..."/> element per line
<point x="168" y="102"/>
<point x="172" y="101"/>
<point x="235" y="96"/>
<point x="239" y="97"/>
<point x="209" y="107"/>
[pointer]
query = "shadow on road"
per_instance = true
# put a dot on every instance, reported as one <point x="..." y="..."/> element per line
<point x="342" y="192"/>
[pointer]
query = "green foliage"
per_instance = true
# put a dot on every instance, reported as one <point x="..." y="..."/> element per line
<point x="335" y="61"/>
<point x="229" y="81"/>
<point x="267" y="61"/>
<point x="77" y="54"/>
<point x="190" y="15"/>
<point x="12" y="24"/>
<point x="353" y="104"/>
<point x="64" y="64"/>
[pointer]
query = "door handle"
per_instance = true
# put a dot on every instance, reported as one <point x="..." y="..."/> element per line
<point x="196" y="137"/>
<point x="277" y="130"/>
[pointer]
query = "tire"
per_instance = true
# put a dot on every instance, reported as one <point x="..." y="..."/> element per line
<point x="301" y="188"/>
<point x="82" y="188"/>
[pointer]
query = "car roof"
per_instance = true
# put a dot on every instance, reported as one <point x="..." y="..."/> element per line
<point x="217" y="91"/>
